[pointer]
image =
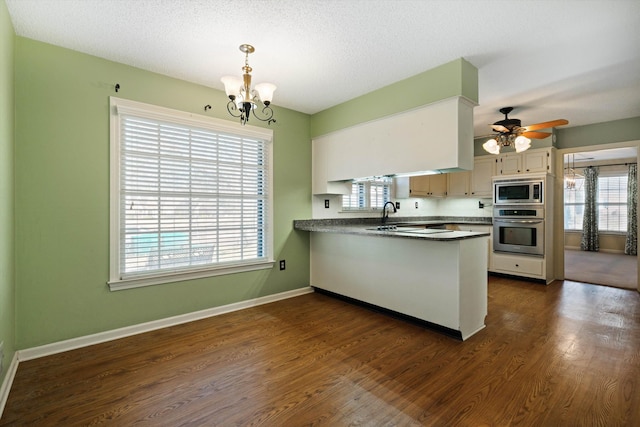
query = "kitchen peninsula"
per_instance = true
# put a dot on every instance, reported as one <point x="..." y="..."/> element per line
<point x="427" y="270"/>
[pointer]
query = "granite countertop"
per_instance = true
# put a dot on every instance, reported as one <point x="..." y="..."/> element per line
<point x="408" y="227"/>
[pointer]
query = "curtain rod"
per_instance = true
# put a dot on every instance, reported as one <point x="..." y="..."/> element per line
<point x="612" y="164"/>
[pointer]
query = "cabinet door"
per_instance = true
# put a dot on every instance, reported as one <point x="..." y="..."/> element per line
<point x="483" y="170"/>
<point x="536" y="161"/>
<point x="428" y="185"/>
<point x="419" y="186"/>
<point x="438" y="185"/>
<point x="458" y="183"/>
<point x="510" y="164"/>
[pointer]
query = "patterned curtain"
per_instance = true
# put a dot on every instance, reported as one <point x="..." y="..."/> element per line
<point x="631" y="244"/>
<point x="590" y="219"/>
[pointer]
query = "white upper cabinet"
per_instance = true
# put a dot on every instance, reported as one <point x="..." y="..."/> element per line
<point x="438" y="136"/>
<point x="537" y="161"/>
<point x="531" y="161"/>
<point x="484" y="168"/>
<point x="320" y="184"/>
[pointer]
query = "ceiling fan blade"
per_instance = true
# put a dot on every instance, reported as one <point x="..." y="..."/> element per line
<point x="499" y="128"/>
<point x="546" y="125"/>
<point x="536" y="135"/>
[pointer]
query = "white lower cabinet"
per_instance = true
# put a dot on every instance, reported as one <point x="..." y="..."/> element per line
<point x="520" y="265"/>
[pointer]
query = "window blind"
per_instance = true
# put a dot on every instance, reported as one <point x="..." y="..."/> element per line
<point x="189" y="197"/>
<point x="612" y="204"/>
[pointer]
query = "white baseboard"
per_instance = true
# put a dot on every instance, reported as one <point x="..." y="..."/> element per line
<point x="606" y="251"/>
<point x="8" y="381"/>
<point x="74" y="343"/>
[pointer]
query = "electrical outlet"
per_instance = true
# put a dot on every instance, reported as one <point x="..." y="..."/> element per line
<point x="416" y="205"/>
<point x="397" y="205"/>
<point x="326" y="203"/>
<point x="282" y="264"/>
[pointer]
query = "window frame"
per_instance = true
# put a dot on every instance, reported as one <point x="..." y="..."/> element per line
<point x="118" y="106"/>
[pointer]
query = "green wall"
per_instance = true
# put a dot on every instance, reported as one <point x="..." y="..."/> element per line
<point x="458" y="77"/>
<point x="7" y="245"/>
<point x="599" y="133"/>
<point x="62" y="198"/>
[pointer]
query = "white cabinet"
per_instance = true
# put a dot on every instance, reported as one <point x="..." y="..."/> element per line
<point x="401" y="143"/>
<point x="519" y="265"/>
<point x="510" y="163"/>
<point x="537" y="161"/>
<point x="531" y="161"/>
<point x="480" y="181"/>
<point x="428" y="186"/>
<point x="319" y="172"/>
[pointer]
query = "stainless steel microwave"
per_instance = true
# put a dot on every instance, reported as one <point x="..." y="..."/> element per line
<point x="518" y="191"/>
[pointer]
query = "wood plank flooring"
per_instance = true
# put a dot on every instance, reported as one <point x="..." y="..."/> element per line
<point x="563" y="354"/>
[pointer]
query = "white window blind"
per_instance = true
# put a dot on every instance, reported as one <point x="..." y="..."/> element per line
<point x="190" y="197"/>
<point x="612" y="204"/>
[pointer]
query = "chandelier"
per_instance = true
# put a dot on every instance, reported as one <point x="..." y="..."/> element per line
<point x="244" y="100"/>
<point x="507" y="139"/>
<point x="570" y="176"/>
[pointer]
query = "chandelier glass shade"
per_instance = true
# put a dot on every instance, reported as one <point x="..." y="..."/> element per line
<point x="243" y="99"/>
<point x="519" y="142"/>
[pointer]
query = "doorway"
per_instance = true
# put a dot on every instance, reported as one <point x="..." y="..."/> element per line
<point x="609" y="266"/>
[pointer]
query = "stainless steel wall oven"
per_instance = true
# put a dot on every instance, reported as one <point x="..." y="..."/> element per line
<point x="518" y="229"/>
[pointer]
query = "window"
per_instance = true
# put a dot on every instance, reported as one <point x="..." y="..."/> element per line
<point x="368" y="194"/>
<point x="190" y="196"/>
<point x="612" y="204"/>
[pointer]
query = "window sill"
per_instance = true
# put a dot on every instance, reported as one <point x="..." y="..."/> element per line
<point x="142" y="281"/>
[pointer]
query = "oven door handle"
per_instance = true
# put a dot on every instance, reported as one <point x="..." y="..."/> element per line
<point x="519" y="221"/>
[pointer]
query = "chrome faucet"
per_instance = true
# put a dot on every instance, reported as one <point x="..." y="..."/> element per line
<point x="385" y="214"/>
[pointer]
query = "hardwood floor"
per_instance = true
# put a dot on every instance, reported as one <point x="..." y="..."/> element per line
<point x="563" y="354"/>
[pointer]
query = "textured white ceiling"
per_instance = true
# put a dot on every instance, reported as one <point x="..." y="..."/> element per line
<point x="572" y="59"/>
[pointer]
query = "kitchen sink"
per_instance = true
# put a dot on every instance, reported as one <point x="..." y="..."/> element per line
<point x="422" y="230"/>
<point x="412" y="230"/>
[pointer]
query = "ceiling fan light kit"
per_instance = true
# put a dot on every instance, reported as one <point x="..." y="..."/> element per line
<point x="242" y="98"/>
<point x="511" y="133"/>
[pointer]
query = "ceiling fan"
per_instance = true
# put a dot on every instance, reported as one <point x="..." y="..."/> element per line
<point x="511" y="132"/>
